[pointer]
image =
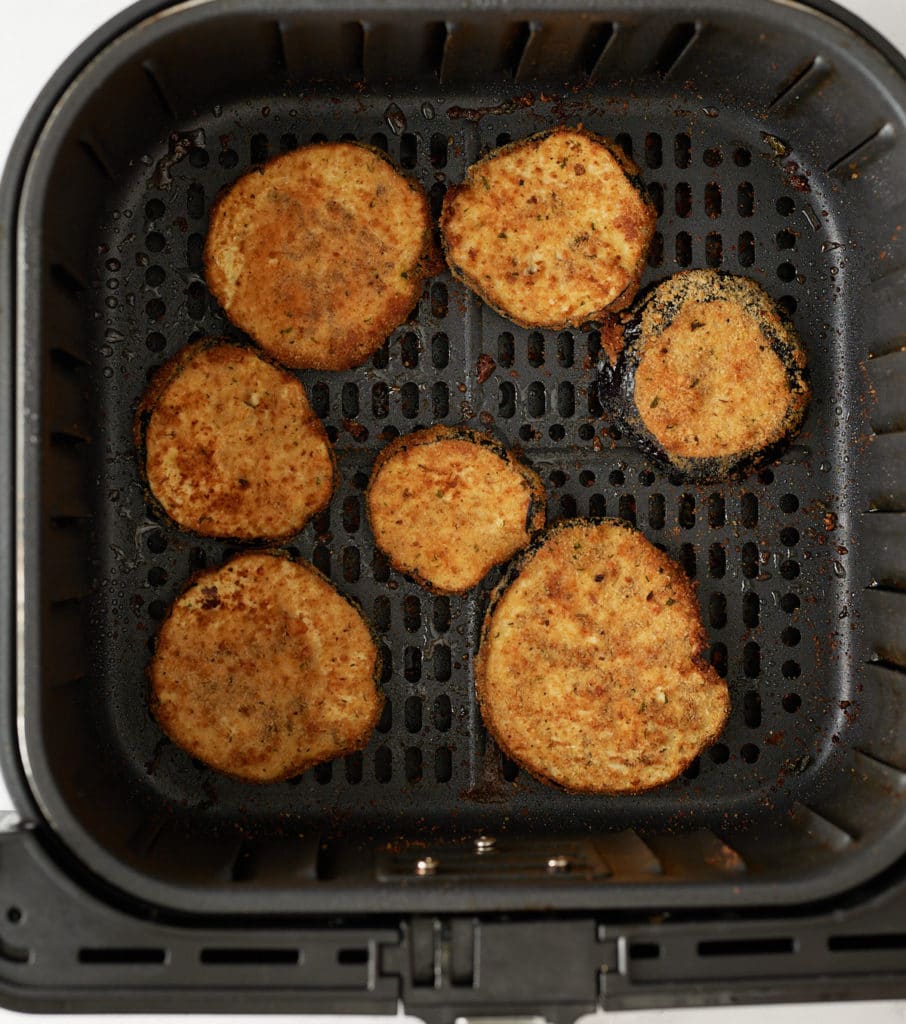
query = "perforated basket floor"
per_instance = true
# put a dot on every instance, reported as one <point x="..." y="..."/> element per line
<point x="769" y="553"/>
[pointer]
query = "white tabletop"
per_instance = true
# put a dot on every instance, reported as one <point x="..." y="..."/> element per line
<point x="34" y="42"/>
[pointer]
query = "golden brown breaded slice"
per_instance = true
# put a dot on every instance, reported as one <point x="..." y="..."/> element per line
<point x="262" y="670"/>
<point x="591" y="671"/>
<point x="719" y="374"/>
<point x="551" y="231"/>
<point x="448" y="503"/>
<point x="232" y="447"/>
<point x="320" y="253"/>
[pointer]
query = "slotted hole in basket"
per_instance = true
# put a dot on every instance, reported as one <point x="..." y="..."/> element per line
<point x="412" y="714"/>
<point x="380" y="566"/>
<point x="745" y="199"/>
<point x="323" y="773"/>
<point x="717" y="610"/>
<point x="626" y="508"/>
<point x="745" y="249"/>
<point x="751" y="659"/>
<point x="624" y="141"/>
<point x="654" y="156"/>
<point x="656" y="193"/>
<point x="714" y="249"/>
<point x="380" y="400"/>
<point x="682" y="199"/>
<point x="712" y="156"/>
<point x="535" y="400"/>
<point x="438" y="150"/>
<point x="713" y="199"/>
<point x="385" y="723"/>
<point x="749" y="560"/>
<point x="441" y="616"/>
<point x="682" y="150"/>
<point x="597" y="506"/>
<point x="751" y="709"/>
<point x="506" y="349"/>
<point x="565" y="349"/>
<point x="506" y="405"/>
<point x="748" y="510"/>
<point x="686" y="513"/>
<point x="436" y="198"/>
<point x="351" y="514"/>
<point x="441" y="667"/>
<point x="383" y="764"/>
<point x="683" y="249"/>
<point x="536" y="349"/>
<point x="656" y="511"/>
<point x="409" y="348"/>
<point x="443" y="764"/>
<point x="412" y="613"/>
<point x="351" y="564"/>
<point x="408" y="150"/>
<point x="354" y="766"/>
<point x="412" y="664"/>
<point x="656" y="250"/>
<point x="443" y="713"/>
<point x="719" y="659"/>
<point x="751" y="609"/>
<point x="509" y="768"/>
<point x="409" y="400"/>
<point x="381" y="617"/>
<point x="688" y="561"/>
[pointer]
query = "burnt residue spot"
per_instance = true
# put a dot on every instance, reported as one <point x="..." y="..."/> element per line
<point x="475" y="114"/>
<point x="486" y="366"/>
<point x="178" y="148"/>
<point x="210" y="598"/>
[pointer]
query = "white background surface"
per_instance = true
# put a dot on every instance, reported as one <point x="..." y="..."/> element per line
<point x="33" y="43"/>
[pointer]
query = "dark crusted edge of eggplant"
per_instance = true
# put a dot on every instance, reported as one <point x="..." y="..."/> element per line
<point x="616" y="384"/>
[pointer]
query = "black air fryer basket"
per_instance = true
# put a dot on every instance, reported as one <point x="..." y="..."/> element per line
<point x="772" y="138"/>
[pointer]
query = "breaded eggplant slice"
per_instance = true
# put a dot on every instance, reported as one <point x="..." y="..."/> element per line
<point x="448" y="503"/>
<point x="262" y="670"/>
<point x="320" y="253"/>
<point x="591" y="672"/>
<point x="232" y="448"/>
<point x="551" y="231"/>
<point x="714" y="377"/>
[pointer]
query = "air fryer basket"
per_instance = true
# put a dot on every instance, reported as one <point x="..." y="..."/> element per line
<point x="772" y="142"/>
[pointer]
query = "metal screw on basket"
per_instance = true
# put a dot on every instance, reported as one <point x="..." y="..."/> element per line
<point x="558" y="864"/>
<point x="426" y="866"/>
<point x="484" y="844"/>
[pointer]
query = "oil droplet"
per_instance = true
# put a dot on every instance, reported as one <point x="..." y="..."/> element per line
<point x="839" y="570"/>
<point x="108" y="372"/>
<point x="825" y="467"/>
<point x="111" y="334"/>
<point x="427" y="111"/>
<point x="395" y="119"/>
<point x="112" y="265"/>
